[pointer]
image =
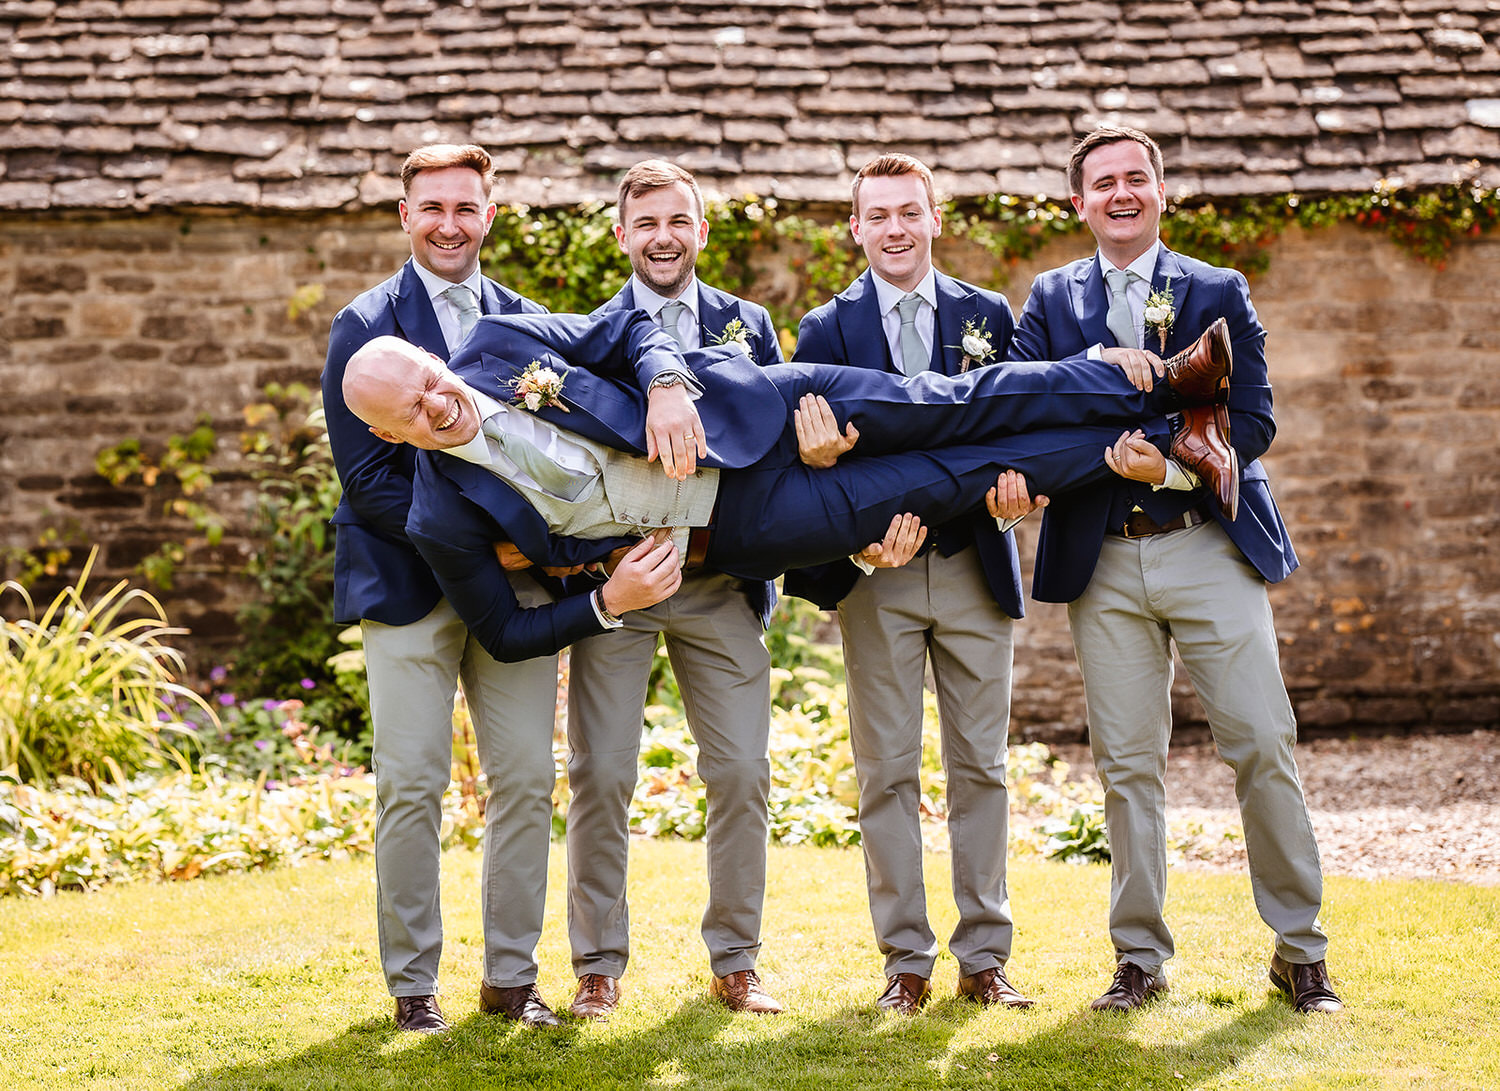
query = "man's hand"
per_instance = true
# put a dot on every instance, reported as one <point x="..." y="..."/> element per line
<point x="1011" y="499"/>
<point x="819" y="441"/>
<point x="673" y="430"/>
<point x="1139" y="365"/>
<point x="511" y="558"/>
<point x="902" y="540"/>
<point x="648" y="573"/>
<point x="1135" y="457"/>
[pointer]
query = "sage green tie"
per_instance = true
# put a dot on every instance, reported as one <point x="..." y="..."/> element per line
<point x="670" y="314"/>
<point x="552" y="478"/>
<point x="464" y="303"/>
<point x="913" y="352"/>
<point x="1119" y="319"/>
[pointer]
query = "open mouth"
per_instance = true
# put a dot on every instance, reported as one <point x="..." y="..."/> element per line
<point x="664" y="258"/>
<point x="459" y="245"/>
<point x="1124" y="214"/>
<point x="453" y="414"/>
<point x="898" y="248"/>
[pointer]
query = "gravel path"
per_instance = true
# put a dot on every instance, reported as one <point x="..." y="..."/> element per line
<point x="1424" y="806"/>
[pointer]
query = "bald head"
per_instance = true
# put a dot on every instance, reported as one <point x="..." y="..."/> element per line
<point x="408" y="395"/>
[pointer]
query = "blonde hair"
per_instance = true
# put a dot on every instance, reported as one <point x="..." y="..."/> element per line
<point x="443" y="156"/>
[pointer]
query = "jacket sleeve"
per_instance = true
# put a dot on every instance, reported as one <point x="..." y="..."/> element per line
<point x="456" y="539"/>
<point x="376" y="476"/>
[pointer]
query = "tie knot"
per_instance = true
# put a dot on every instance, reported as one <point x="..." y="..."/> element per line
<point x="464" y="304"/>
<point x="1119" y="280"/>
<point x="907" y="306"/>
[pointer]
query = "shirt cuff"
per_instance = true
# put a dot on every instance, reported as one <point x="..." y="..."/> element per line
<point x="673" y="376"/>
<point x="1179" y="477"/>
<point x="606" y="619"/>
<point x="864" y="566"/>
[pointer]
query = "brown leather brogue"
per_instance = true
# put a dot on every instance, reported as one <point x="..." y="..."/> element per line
<point x="1131" y="988"/>
<point x="420" y="1015"/>
<point x="1307" y="983"/>
<point x="1200" y="372"/>
<point x="597" y="996"/>
<point x="991" y="987"/>
<point x="1202" y="445"/>
<point x="904" y="994"/>
<point x="523" y="1003"/>
<point x="742" y="991"/>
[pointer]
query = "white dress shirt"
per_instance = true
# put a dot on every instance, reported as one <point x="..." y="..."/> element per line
<point x="442" y="306"/>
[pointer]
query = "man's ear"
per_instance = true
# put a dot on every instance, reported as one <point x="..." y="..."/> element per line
<point x="387" y="436"/>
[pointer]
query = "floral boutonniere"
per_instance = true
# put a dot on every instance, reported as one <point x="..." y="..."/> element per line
<point x="737" y="333"/>
<point x="539" y="387"/>
<point x="1159" y="314"/>
<point x="974" y="344"/>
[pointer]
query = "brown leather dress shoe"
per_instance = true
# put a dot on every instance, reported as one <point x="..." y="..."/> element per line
<point x="904" y="994"/>
<point x="1202" y="445"/>
<point x="1307" y="983"/>
<point x="1131" y="988"/>
<point x="523" y="1003"/>
<point x="1200" y="373"/>
<point x="991" y="987"/>
<point x="420" y="1014"/>
<point x="742" y="991"/>
<point x="596" y="997"/>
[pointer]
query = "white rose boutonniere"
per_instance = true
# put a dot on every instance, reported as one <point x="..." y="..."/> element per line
<point x="1159" y="315"/>
<point x="539" y="387"/>
<point x="736" y="333"/>
<point x="974" y="344"/>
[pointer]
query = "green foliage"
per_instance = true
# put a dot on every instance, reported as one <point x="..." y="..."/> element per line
<point x="289" y="632"/>
<point x="88" y="688"/>
<point x="1082" y="838"/>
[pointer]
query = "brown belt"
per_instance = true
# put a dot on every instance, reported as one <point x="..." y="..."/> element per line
<point x="1140" y="525"/>
<point x="697" y="548"/>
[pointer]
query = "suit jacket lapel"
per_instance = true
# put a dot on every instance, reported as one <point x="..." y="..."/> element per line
<point x="1180" y="336"/>
<point x="716" y="310"/>
<point x="858" y="311"/>
<point x="496" y="299"/>
<point x="1090" y="301"/>
<point x="415" y="319"/>
<point x="955" y="305"/>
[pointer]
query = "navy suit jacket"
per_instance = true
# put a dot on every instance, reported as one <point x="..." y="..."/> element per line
<point x="716" y="310"/>
<point x="847" y="330"/>
<point x="1064" y="315"/>
<point x="377" y="572"/>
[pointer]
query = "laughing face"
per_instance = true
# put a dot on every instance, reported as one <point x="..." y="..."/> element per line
<point x="662" y="230"/>
<point x="407" y="395"/>
<point x="895" y="223"/>
<point x="1122" y="200"/>
<point x="447" y="214"/>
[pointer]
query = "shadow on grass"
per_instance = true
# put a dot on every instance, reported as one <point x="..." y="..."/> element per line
<point x="700" y="1045"/>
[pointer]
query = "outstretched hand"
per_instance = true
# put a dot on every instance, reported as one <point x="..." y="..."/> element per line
<point x="819" y="441"/>
<point x="1140" y="365"/>
<point x="674" y="431"/>
<point x="903" y="540"/>
<point x="1011" y="499"/>
<point x="647" y="574"/>
<point x="1135" y="457"/>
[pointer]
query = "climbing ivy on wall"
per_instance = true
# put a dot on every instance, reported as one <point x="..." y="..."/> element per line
<point x="567" y="257"/>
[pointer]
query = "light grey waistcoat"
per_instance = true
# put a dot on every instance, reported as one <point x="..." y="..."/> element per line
<point x="629" y="496"/>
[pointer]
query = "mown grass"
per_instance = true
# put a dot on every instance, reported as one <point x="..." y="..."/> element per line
<point x="272" y="980"/>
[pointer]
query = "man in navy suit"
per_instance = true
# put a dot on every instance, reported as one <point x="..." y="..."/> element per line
<point x="1143" y="567"/>
<point x="416" y="646"/>
<point x="545" y="425"/>
<point x="713" y="627"/>
<point x="953" y="605"/>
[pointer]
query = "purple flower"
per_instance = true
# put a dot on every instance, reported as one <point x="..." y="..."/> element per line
<point x="262" y="744"/>
<point x="308" y="683"/>
<point x="226" y="699"/>
<point x="269" y="705"/>
<point x="218" y="674"/>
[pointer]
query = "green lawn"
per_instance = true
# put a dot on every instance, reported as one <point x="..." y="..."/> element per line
<point x="272" y="980"/>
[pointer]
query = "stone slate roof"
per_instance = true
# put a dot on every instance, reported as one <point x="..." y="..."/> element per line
<point x="311" y="104"/>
